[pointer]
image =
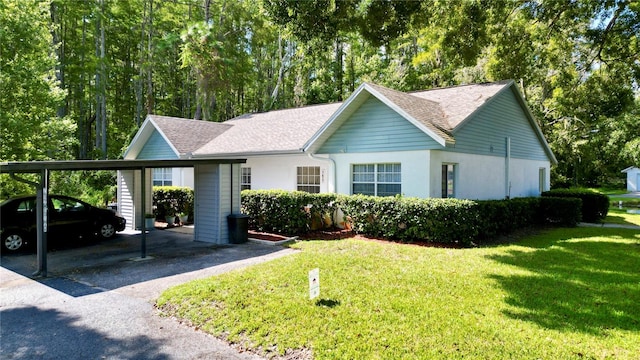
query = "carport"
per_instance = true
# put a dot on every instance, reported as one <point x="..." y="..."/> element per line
<point x="209" y="210"/>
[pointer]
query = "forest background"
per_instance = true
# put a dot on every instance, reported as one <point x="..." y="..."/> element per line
<point x="77" y="77"/>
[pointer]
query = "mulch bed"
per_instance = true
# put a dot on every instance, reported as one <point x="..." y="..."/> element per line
<point x="340" y="234"/>
<point x="511" y="238"/>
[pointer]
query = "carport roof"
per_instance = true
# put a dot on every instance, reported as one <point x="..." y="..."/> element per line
<point x="37" y="166"/>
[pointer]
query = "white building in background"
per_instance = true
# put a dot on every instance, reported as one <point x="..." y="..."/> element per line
<point x="633" y="178"/>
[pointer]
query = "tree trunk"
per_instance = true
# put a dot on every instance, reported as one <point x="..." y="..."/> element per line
<point x="150" y="99"/>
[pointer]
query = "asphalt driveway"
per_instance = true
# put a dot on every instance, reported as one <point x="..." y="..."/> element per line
<point x="97" y="302"/>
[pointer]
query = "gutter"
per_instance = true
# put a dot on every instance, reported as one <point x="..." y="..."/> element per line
<point x="333" y="169"/>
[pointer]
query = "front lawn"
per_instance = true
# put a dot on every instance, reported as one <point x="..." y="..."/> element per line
<point x="562" y="294"/>
<point x="622" y="217"/>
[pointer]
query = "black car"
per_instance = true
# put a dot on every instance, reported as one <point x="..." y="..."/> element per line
<point x="67" y="218"/>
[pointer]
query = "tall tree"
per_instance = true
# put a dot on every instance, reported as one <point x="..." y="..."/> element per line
<point x="29" y="126"/>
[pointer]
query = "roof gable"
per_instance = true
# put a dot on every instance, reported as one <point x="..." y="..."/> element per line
<point x="424" y="114"/>
<point x="156" y="148"/>
<point x="374" y="127"/>
<point x="182" y="136"/>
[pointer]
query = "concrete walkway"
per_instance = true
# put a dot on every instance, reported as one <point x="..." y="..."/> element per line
<point x="105" y="310"/>
<point x="605" y="225"/>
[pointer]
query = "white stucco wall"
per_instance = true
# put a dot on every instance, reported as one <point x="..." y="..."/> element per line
<point x="280" y="171"/>
<point x="477" y="176"/>
<point x="481" y="177"/>
<point x="182" y="177"/>
<point x="414" y="165"/>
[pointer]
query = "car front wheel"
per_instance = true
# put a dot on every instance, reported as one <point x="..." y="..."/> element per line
<point x="13" y="241"/>
<point x="106" y="231"/>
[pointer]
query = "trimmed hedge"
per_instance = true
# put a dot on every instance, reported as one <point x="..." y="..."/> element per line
<point x="595" y="206"/>
<point x="172" y="200"/>
<point x="404" y="219"/>
<point x="412" y="219"/>
<point x="287" y="212"/>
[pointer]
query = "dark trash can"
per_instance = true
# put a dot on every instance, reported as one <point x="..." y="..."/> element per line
<point x="238" y="228"/>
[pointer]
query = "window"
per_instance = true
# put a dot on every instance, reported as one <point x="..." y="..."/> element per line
<point x="245" y="181"/>
<point x="66" y="205"/>
<point x="376" y="179"/>
<point x="542" y="180"/>
<point x="309" y="179"/>
<point x="162" y="177"/>
<point x="27" y="206"/>
<point x="448" y="180"/>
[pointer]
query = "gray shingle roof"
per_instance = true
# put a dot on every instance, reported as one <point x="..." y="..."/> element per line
<point x="188" y="135"/>
<point x="274" y="131"/>
<point x="285" y="131"/>
<point x="458" y="102"/>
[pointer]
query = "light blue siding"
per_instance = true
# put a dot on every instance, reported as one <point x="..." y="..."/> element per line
<point x="156" y="148"/>
<point x="486" y="132"/>
<point x="207" y="204"/>
<point x="374" y="127"/>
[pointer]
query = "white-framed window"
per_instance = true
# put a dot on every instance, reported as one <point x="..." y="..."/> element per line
<point x="449" y="180"/>
<point x="376" y="179"/>
<point x="308" y="179"/>
<point x="542" y="180"/>
<point x="162" y="177"/>
<point x="245" y="181"/>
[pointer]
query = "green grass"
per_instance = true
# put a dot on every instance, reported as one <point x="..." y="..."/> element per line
<point x="622" y="217"/>
<point x="561" y="294"/>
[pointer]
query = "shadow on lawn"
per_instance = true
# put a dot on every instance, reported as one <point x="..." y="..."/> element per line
<point x="581" y="285"/>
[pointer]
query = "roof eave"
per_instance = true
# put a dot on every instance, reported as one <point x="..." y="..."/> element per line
<point x="249" y="153"/>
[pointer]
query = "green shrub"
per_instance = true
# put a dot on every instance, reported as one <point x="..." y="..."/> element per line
<point x="404" y="219"/>
<point x="595" y="206"/>
<point x="287" y="212"/>
<point x="563" y="211"/>
<point x="172" y="200"/>
<point x="412" y="219"/>
<point x="501" y="217"/>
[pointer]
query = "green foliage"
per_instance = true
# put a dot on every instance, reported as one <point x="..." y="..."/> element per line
<point x="563" y="211"/>
<point x="412" y="219"/>
<point x="286" y="212"/>
<point x="450" y="221"/>
<point x="29" y="126"/>
<point x="172" y="200"/>
<point x="576" y="62"/>
<point x="501" y="217"/>
<point x="594" y="205"/>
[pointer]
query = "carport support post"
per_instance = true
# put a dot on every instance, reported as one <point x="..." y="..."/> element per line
<point x="143" y="186"/>
<point x="42" y="218"/>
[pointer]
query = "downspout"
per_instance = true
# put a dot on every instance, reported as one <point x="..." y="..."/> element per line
<point x="507" y="166"/>
<point x="333" y="168"/>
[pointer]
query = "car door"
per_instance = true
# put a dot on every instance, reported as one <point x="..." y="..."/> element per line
<point x="24" y="215"/>
<point x="68" y="217"/>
